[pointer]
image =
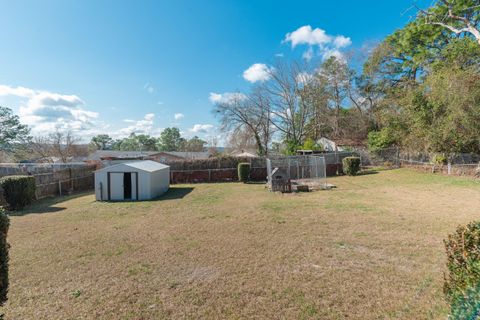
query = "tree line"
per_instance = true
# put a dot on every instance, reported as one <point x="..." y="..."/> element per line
<point x="418" y="89"/>
<point x="170" y="139"/>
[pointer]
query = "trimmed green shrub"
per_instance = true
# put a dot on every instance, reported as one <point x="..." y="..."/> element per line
<point x="18" y="191"/>
<point x="351" y="165"/>
<point x="243" y="171"/>
<point x="4" y="247"/>
<point x="462" y="282"/>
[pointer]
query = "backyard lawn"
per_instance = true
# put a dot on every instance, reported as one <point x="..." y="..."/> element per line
<point x="370" y="249"/>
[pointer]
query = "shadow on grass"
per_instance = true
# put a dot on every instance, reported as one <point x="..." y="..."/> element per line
<point x="47" y="205"/>
<point x="175" y="193"/>
<point x="367" y="172"/>
<point x="255" y="182"/>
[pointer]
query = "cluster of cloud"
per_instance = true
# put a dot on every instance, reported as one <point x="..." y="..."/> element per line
<point x="226" y="97"/>
<point x="325" y="45"/>
<point x="147" y="126"/>
<point x="201" y="128"/>
<point x="258" y="72"/>
<point x="178" y="116"/>
<point x="46" y="111"/>
<point x="142" y="126"/>
<point x="319" y="43"/>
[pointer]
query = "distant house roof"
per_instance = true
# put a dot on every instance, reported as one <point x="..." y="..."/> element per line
<point x="107" y="154"/>
<point x="146" y="165"/>
<point x="139" y="155"/>
<point x="188" y="155"/>
<point x="245" y="154"/>
<point x="338" y="144"/>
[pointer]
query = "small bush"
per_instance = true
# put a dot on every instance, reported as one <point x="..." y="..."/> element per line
<point x="351" y="165"/>
<point x="243" y="171"/>
<point x="4" y="247"/>
<point x="462" y="282"/>
<point x="18" y="191"/>
<point x="439" y="159"/>
<point x="310" y="144"/>
<point x="378" y="140"/>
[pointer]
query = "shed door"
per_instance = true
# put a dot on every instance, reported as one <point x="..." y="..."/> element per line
<point x="116" y="186"/>
<point x="134" y="185"/>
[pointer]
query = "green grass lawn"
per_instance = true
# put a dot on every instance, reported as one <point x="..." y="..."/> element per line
<point x="369" y="249"/>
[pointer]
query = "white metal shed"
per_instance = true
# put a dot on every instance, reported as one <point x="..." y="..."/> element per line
<point x="140" y="180"/>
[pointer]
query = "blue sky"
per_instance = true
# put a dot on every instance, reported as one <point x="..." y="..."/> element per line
<point x="120" y="66"/>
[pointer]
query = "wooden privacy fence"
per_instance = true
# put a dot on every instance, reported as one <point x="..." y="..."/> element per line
<point x="54" y="180"/>
<point x="214" y="175"/>
<point x="258" y="172"/>
<point x="65" y="181"/>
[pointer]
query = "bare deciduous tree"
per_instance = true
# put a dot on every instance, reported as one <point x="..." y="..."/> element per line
<point x="63" y="146"/>
<point x="246" y="112"/>
<point x="290" y="110"/>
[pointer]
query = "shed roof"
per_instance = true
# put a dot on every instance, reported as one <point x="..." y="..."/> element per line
<point x="146" y="165"/>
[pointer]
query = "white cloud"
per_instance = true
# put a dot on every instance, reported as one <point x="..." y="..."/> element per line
<point x="143" y="126"/>
<point x="257" y="72"/>
<point x="226" y="97"/>
<point x="46" y="111"/>
<point x="327" y="45"/>
<point x="279" y="55"/>
<point x="201" y="128"/>
<point x="17" y="91"/>
<point x="341" y="41"/>
<point x="307" y="35"/>
<point x="178" y="116"/>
